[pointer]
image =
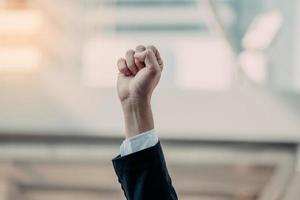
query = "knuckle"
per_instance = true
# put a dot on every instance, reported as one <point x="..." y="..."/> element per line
<point x="161" y="62"/>
<point x="153" y="69"/>
<point x="120" y="61"/>
<point x="155" y="73"/>
<point x="140" y="47"/>
<point x="152" y="47"/>
<point x="129" y="52"/>
<point x="130" y="64"/>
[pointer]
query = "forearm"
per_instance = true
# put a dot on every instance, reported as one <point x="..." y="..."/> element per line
<point x="138" y="117"/>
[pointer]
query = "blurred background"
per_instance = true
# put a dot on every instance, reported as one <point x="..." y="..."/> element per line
<point x="227" y="109"/>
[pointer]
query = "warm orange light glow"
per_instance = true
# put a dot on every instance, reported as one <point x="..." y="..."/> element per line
<point x="14" y="25"/>
<point x="19" y="58"/>
<point x="26" y="22"/>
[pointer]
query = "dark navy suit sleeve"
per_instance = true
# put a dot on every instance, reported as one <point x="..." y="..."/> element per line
<point x="144" y="175"/>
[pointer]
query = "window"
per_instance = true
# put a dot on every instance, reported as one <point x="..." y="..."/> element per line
<point x="195" y="58"/>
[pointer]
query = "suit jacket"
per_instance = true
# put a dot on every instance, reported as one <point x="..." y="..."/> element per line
<point x="144" y="175"/>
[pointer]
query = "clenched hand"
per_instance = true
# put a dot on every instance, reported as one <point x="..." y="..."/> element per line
<point x="139" y="74"/>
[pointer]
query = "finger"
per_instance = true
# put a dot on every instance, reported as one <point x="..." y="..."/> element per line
<point x="157" y="54"/>
<point x="138" y="63"/>
<point x="140" y="56"/>
<point x="151" y="60"/>
<point x="140" y="48"/>
<point x="122" y="66"/>
<point x="130" y="61"/>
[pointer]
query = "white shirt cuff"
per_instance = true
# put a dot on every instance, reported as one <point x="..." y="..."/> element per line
<point x="138" y="143"/>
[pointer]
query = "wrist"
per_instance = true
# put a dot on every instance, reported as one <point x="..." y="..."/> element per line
<point x="138" y="116"/>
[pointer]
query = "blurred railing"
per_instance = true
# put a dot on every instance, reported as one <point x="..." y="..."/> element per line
<point x="59" y="168"/>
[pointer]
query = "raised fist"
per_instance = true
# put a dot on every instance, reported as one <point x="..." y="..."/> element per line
<point x="140" y="73"/>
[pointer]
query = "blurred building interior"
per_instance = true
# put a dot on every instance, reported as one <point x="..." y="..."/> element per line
<point x="79" y="168"/>
<point x="229" y="97"/>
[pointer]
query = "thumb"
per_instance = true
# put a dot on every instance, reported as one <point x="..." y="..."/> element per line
<point x="151" y="60"/>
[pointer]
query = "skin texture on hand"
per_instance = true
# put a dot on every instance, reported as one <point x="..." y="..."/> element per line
<point x="139" y="74"/>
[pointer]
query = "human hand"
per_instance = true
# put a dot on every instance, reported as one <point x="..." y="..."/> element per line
<point x="140" y="72"/>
